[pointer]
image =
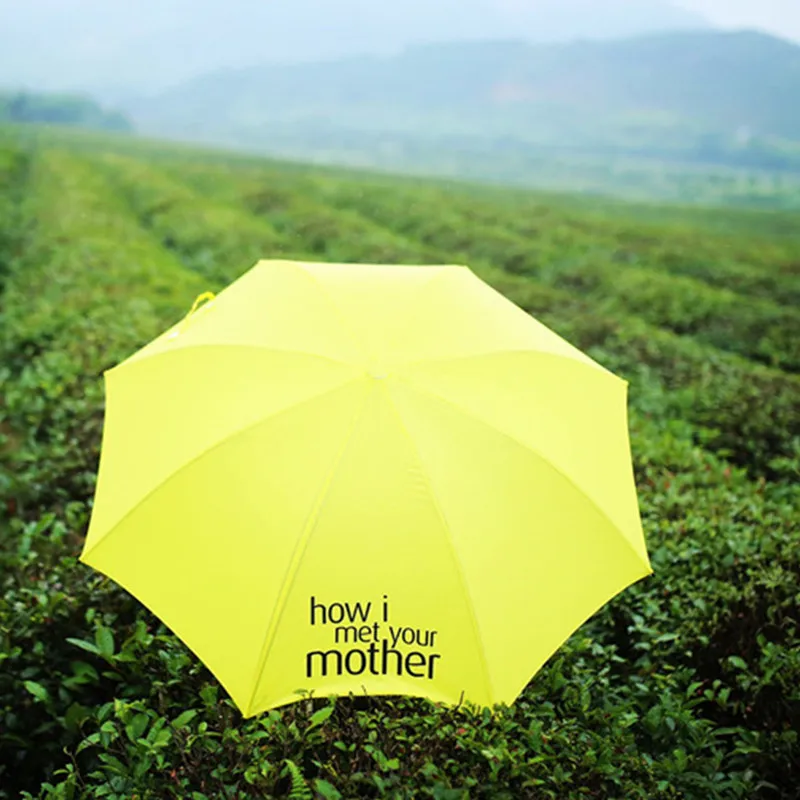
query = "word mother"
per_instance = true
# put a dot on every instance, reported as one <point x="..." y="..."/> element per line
<point x="381" y="656"/>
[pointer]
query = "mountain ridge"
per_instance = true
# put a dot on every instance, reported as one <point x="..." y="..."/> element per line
<point x="704" y="83"/>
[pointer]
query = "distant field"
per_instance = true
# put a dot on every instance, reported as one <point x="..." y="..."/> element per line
<point x="617" y="172"/>
<point x="685" y="686"/>
<point x="645" y="176"/>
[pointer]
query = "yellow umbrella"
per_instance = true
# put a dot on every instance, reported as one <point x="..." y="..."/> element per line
<point x="374" y="479"/>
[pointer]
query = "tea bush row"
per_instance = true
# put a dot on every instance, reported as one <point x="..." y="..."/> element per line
<point x="560" y="253"/>
<point x="752" y="413"/>
<point x="310" y="228"/>
<point x="685" y="685"/>
<point x="728" y="256"/>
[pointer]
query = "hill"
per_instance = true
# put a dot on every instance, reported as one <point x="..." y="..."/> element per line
<point x="727" y="97"/>
<point x="149" y="45"/>
<point x="56" y="109"/>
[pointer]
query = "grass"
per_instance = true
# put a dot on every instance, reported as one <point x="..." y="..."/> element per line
<point x="686" y="685"/>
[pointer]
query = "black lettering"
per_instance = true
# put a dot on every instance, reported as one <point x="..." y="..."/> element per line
<point x="373" y="651"/>
<point x="358" y="611"/>
<point x="324" y="659"/>
<point x="346" y="629"/>
<point x="349" y="667"/>
<point x="386" y="651"/>
<point x="420" y="659"/>
<point x="317" y="607"/>
<point x="430" y="664"/>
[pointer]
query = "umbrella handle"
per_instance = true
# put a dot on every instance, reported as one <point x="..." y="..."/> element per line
<point x="182" y="324"/>
<point x="199" y="299"/>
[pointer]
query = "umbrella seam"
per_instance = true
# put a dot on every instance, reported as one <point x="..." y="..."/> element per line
<point x="204" y="453"/>
<point x="334" y="305"/>
<point x="129" y="362"/>
<point x="454" y="552"/>
<point x="505" y="434"/>
<point x="573" y="359"/>
<point x="412" y="306"/>
<point x="297" y="556"/>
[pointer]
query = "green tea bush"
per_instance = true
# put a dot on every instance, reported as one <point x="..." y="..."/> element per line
<point x="14" y="165"/>
<point x="748" y="413"/>
<point x="759" y="330"/>
<point x="310" y="228"/>
<point x="564" y="254"/>
<point x="727" y="255"/>
<point x="687" y="685"/>
<point x="88" y="285"/>
<point x="209" y="238"/>
<point x="754" y="414"/>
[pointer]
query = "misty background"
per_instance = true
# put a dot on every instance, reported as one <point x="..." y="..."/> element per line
<point x="507" y="90"/>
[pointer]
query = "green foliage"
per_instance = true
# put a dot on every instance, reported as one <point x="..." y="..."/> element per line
<point x="687" y="685"/>
<point x="299" y="790"/>
<point x="56" y="109"/>
<point x="14" y="164"/>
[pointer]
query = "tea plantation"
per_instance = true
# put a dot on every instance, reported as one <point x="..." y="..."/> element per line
<point x="687" y="685"/>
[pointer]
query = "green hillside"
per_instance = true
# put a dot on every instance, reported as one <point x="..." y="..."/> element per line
<point x="687" y="685"/>
<point x="59" y="109"/>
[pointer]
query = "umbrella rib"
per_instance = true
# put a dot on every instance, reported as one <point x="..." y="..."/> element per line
<point x="204" y="453"/>
<point x="133" y="360"/>
<point x="297" y="556"/>
<point x="572" y="359"/>
<point x="429" y="392"/>
<point x="412" y="307"/>
<point x="336" y="310"/>
<point x="454" y="552"/>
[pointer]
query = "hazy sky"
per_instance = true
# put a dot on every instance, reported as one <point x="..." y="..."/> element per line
<point x="781" y="17"/>
<point x="142" y="44"/>
<point x="778" y="16"/>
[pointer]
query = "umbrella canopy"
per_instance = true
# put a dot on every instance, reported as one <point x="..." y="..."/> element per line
<point x="375" y="479"/>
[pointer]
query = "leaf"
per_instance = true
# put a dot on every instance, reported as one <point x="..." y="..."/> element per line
<point x="208" y="695"/>
<point x="299" y="787"/>
<point x="182" y="720"/>
<point x="318" y="717"/>
<point x="84" y="645"/>
<point x="738" y="662"/>
<point x="76" y="715"/>
<point x="84" y="672"/>
<point x="105" y="641"/>
<point x="666" y="637"/>
<point x="327" y="790"/>
<point x="113" y="762"/>
<point x="693" y="687"/>
<point x="142" y="767"/>
<point x="157" y="726"/>
<point x="162" y="738"/>
<point x="37" y="690"/>
<point x="89" y="741"/>
<point x="137" y="726"/>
